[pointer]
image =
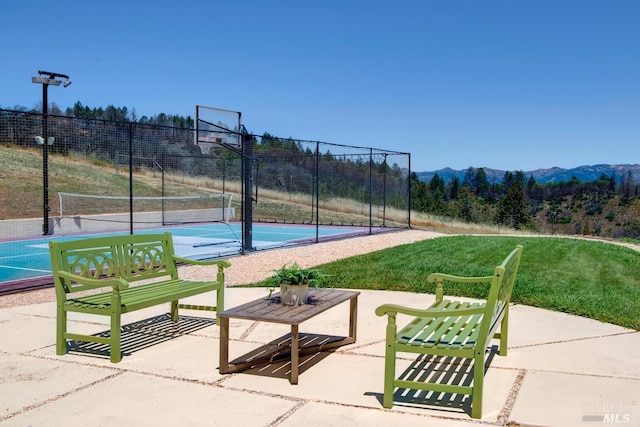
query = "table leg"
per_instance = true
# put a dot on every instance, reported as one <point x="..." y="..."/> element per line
<point x="294" y="354"/>
<point x="224" y="345"/>
<point x="353" y="317"/>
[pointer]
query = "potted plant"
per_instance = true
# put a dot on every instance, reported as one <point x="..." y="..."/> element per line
<point x="294" y="283"/>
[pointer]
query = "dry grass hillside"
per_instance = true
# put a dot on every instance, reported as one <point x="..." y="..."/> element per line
<point x="21" y="193"/>
<point x="577" y="215"/>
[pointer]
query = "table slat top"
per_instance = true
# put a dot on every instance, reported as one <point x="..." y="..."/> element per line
<point x="271" y="310"/>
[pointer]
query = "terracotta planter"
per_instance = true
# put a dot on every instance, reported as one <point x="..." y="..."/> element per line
<point x="294" y="294"/>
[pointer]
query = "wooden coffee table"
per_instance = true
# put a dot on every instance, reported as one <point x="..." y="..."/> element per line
<point x="266" y="310"/>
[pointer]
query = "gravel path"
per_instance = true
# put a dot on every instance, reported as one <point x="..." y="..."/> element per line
<point x="257" y="266"/>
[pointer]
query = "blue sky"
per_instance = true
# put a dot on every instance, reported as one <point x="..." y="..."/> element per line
<point x="514" y="85"/>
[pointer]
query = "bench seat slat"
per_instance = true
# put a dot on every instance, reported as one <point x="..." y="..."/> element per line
<point x="442" y="335"/>
<point x="143" y="295"/>
<point x="464" y="326"/>
<point x="420" y="328"/>
<point x="442" y="332"/>
<point x="434" y="338"/>
<point x="464" y="336"/>
<point x="417" y="325"/>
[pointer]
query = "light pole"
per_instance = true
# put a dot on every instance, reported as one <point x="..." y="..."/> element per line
<point x="46" y="78"/>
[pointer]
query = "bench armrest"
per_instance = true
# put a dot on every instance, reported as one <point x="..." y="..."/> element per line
<point x="118" y="284"/>
<point x="219" y="262"/>
<point x="440" y="278"/>
<point x="393" y="310"/>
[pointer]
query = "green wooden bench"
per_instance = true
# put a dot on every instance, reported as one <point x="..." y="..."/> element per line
<point x="84" y="267"/>
<point x="452" y="329"/>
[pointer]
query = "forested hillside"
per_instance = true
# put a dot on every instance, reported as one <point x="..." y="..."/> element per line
<point x="545" y="175"/>
<point x="606" y="207"/>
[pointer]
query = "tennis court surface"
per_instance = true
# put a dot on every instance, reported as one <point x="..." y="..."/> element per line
<point x="27" y="260"/>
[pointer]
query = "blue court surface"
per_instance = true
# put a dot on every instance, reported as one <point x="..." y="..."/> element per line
<point x="28" y="259"/>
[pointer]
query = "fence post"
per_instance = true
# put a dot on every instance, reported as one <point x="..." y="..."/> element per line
<point x="130" y="178"/>
<point x="317" y="190"/>
<point x="247" y="183"/>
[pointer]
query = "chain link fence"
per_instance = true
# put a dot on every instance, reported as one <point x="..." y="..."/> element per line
<point x="125" y="176"/>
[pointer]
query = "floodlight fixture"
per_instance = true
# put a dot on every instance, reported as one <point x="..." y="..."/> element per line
<point x="51" y="78"/>
<point x="46" y="79"/>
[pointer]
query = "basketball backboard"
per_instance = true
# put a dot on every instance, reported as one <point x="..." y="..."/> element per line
<point x="217" y="127"/>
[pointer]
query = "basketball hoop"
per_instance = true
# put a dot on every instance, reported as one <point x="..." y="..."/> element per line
<point x="205" y="147"/>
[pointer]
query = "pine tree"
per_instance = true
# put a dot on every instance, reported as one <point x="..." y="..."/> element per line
<point x="466" y="205"/>
<point x="453" y="188"/>
<point x="481" y="183"/>
<point x="512" y="209"/>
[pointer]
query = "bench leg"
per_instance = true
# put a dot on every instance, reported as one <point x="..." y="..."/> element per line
<point x="61" y="330"/>
<point x="504" y="332"/>
<point x="478" y="385"/>
<point x="389" y="366"/>
<point x="174" y="311"/>
<point x="219" y="301"/>
<point x="116" y="351"/>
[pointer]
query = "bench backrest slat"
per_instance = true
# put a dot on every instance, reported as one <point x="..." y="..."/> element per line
<point x="129" y="257"/>
<point x="144" y="260"/>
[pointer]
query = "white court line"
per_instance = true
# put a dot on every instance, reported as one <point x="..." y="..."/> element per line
<point x="20" y="256"/>
<point x="25" y="269"/>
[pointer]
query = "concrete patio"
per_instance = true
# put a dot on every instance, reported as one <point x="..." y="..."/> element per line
<point x="561" y="371"/>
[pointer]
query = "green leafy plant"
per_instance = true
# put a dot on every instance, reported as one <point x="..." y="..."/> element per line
<point x="289" y="275"/>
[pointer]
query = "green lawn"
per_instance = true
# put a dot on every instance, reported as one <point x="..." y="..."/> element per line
<point x="586" y="278"/>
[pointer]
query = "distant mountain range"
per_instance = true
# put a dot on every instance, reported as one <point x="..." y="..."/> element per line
<point x="555" y="174"/>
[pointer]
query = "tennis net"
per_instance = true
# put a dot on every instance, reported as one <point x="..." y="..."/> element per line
<point x="91" y="212"/>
